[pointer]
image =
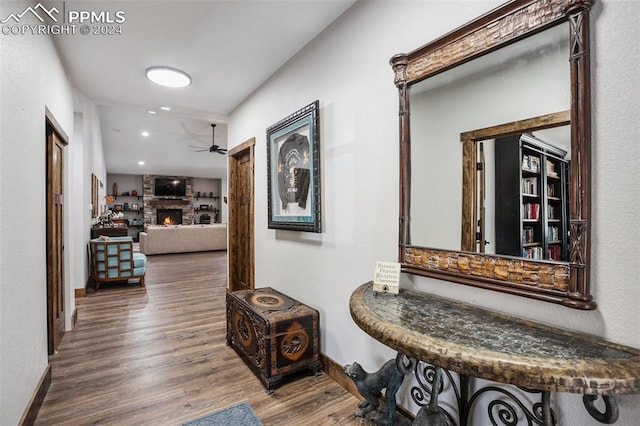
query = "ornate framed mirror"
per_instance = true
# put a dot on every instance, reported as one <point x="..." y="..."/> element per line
<point x="495" y="135"/>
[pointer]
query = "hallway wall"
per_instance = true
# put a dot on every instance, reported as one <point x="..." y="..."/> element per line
<point x="32" y="78"/>
<point x="346" y="68"/>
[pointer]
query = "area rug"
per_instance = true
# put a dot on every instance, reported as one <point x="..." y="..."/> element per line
<point x="240" y="414"/>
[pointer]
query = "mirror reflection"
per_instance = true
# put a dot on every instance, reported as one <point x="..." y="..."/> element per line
<point x="520" y="197"/>
<point x="530" y="78"/>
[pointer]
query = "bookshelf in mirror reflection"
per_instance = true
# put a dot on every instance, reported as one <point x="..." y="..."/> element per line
<point x="531" y="202"/>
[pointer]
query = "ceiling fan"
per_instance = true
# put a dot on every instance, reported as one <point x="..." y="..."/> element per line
<point x="213" y="147"/>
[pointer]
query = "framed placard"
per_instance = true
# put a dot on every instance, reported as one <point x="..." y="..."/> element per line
<point x="387" y="277"/>
<point x="293" y="156"/>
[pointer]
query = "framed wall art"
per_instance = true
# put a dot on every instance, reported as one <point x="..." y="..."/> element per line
<point x="94" y="195"/>
<point x="293" y="164"/>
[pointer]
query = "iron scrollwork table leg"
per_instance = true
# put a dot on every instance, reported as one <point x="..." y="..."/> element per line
<point x="505" y="409"/>
<point x="610" y="415"/>
<point x="507" y="405"/>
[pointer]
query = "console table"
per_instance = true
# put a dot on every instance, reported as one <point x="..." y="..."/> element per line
<point x="118" y="230"/>
<point x="477" y="342"/>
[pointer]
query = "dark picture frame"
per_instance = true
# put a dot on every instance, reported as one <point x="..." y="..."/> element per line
<point x="293" y="165"/>
<point x="95" y="182"/>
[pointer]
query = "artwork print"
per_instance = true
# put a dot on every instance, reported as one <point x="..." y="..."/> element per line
<point x="293" y="157"/>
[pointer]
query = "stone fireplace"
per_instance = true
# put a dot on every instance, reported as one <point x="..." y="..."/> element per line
<point x="154" y="206"/>
<point x="169" y="216"/>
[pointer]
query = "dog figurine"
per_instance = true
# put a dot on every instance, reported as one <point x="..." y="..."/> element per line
<point x="370" y="386"/>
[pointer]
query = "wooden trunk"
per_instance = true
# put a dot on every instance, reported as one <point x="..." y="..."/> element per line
<point x="275" y="334"/>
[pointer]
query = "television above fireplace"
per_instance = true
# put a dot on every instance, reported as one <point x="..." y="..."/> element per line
<point x="170" y="187"/>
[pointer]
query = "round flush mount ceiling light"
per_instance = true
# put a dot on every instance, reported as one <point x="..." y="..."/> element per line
<point x="168" y="77"/>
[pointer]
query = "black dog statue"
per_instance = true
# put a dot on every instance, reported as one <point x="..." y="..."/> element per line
<point x="370" y="386"/>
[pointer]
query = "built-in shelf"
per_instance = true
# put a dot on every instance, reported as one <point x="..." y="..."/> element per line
<point x="115" y="196"/>
<point x="167" y="202"/>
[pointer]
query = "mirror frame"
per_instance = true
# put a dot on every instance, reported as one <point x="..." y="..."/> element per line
<point x="565" y="283"/>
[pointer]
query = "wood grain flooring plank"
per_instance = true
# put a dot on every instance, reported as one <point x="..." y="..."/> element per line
<point x="158" y="356"/>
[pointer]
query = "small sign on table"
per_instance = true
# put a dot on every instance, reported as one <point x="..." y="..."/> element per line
<point x="387" y="277"/>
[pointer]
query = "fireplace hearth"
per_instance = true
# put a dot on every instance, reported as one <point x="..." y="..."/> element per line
<point x="169" y="217"/>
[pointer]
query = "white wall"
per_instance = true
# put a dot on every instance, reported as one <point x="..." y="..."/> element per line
<point x="347" y="69"/>
<point x="26" y="87"/>
<point x="125" y="183"/>
<point x="88" y="158"/>
<point x="32" y="78"/>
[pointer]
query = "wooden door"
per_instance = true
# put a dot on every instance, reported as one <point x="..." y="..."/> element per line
<point x="241" y="255"/>
<point x="55" y="236"/>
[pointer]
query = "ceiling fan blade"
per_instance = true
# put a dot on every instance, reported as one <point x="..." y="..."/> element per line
<point x="202" y="150"/>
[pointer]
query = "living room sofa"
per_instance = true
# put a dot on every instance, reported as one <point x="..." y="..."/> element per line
<point x="160" y="239"/>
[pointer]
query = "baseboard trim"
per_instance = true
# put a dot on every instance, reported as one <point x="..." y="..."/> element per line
<point x="336" y="372"/>
<point x="31" y="412"/>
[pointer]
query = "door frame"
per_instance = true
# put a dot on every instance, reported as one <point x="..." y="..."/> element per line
<point x="247" y="147"/>
<point x="55" y="296"/>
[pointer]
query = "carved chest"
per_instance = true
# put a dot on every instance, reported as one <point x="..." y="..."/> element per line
<point x="275" y="334"/>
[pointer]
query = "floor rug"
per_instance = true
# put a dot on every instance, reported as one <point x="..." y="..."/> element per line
<point x="240" y="414"/>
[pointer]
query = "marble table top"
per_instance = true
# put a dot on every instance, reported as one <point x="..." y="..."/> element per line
<point x="482" y="343"/>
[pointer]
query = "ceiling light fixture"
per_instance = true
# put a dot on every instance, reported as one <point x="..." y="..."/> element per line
<point x="165" y="108"/>
<point x="168" y="77"/>
<point x="145" y="134"/>
<point x="151" y="111"/>
<point x="141" y="163"/>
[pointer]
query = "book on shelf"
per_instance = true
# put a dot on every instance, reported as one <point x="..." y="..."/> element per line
<point x="551" y="212"/>
<point x="551" y="169"/>
<point x="553" y="233"/>
<point x="531" y="211"/>
<point x="531" y="163"/>
<point x="535" y="163"/>
<point x="554" y="252"/>
<point x="530" y="185"/>
<point x="532" y="252"/>
<point x="551" y="190"/>
<point x="527" y="235"/>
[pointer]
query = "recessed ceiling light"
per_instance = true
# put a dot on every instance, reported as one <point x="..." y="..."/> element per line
<point x="151" y="111"/>
<point x="165" y="108"/>
<point x="140" y="163"/>
<point x="169" y="77"/>
<point x="145" y="134"/>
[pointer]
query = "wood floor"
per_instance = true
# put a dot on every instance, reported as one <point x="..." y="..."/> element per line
<point x="158" y="356"/>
